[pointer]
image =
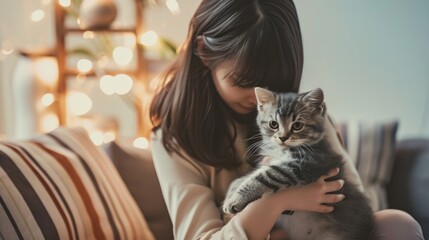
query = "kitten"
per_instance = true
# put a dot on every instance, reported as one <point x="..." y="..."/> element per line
<point x="292" y="128"/>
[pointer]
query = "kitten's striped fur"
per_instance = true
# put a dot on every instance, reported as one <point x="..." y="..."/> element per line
<point x="292" y="128"/>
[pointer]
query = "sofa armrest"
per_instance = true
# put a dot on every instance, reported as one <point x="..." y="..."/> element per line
<point x="408" y="189"/>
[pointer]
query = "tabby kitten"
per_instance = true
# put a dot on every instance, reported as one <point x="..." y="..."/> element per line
<point x="292" y="128"/>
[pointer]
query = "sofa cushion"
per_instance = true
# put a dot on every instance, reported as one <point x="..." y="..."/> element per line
<point x="137" y="170"/>
<point x="408" y="189"/>
<point x="61" y="186"/>
<point x="371" y="145"/>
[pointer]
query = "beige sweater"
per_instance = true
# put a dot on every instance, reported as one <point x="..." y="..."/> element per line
<point x="193" y="191"/>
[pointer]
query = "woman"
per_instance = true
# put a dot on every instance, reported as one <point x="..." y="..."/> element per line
<point x="204" y="122"/>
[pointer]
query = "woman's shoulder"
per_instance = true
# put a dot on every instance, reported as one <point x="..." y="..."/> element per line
<point x="178" y="157"/>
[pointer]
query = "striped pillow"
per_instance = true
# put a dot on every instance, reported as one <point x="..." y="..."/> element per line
<point x="371" y="146"/>
<point x="61" y="186"/>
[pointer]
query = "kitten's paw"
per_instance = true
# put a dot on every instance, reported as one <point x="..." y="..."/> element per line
<point x="233" y="204"/>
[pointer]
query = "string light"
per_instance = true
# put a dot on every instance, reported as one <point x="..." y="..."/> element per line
<point x="149" y="38"/>
<point x="173" y="6"/>
<point x="96" y="137"/>
<point x="88" y="35"/>
<point x="47" y="99"/>
<point x="99" y="137"/>
<point x="141" y="142"/>
<point x="122" y="56"/>
<point x="123" y="84"/>
<point x="79" y="103"/>
<point x="37" y="15"/>
<point x="107" y="84"/>
<point x="120" y="84"/>
<point x="64" y="3"/>
<point x="80" y="78"/>
<point x="84" y="65"/>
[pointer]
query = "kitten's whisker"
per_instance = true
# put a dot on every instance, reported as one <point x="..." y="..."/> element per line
<point x="253" y="148"/>
<point x="309" y="148"/>
<point x="306" y="149"/>
<point x="259" y="145"/>
<point x="301" y="152"/>
<point x="256" y="136"/>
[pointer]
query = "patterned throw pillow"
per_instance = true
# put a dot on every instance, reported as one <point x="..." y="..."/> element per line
<point x="61" y="186"/>
<point x="372" y="147"/>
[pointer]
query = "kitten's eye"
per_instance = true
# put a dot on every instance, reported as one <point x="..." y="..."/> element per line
<point x="274" y="125"/>
<point x="297" y="126"/>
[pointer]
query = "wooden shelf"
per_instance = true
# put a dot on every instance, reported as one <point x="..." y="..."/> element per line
<point x="104" y="30"/>
<point x="35" y="53"/>
<point x="138" y="72"/>
<point x="75" y="72"/>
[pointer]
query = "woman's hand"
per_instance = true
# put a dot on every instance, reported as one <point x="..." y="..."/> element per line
<point x="304" y="198"/>
<point x="312" y="197"/>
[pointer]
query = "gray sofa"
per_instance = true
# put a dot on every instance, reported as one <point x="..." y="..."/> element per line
<point x="408" y="188"/>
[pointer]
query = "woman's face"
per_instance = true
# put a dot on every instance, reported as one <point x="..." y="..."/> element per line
<point x="241" y="100"/>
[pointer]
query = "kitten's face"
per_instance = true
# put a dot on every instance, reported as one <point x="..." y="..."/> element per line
<point x="289" y="119"/>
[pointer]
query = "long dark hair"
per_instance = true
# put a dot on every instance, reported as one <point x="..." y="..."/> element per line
<point x="262" y="38"/>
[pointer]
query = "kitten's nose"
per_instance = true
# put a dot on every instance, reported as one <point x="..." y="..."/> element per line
<point x="283" y="139"/>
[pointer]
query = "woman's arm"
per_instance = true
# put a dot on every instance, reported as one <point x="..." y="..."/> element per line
<point x="259" y="217"/>
<point x="190" y="201"/>
<point x="195" y="215"/>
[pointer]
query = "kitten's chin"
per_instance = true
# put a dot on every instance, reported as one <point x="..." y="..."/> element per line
<point x="284" y="147"/>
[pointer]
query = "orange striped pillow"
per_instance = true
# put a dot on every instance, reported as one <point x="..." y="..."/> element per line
<point x="61" y="186"/>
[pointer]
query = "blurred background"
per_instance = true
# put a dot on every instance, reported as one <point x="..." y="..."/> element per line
<point x="94" y="63"/>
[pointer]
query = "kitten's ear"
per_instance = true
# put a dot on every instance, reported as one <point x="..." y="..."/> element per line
<point x="315" y="99"/>
<point x="264" y="96"/>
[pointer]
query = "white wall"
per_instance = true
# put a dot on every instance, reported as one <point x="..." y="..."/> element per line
<point x="370" y="57"/>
